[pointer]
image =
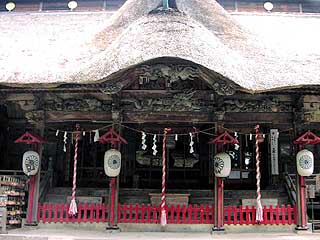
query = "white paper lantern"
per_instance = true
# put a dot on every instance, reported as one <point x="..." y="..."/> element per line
<point x="30" y="163"/>
<point x="305" y="163"/>
<point x="222" y="165"/>
<point x="112" y="163"/>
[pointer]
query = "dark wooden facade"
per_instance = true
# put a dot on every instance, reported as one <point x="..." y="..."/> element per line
<point x="149" y="97"/>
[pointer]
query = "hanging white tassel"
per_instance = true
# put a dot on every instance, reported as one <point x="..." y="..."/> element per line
<point x="65" y="142"/>
<point x="154" y="147"/>
<point x="263" y="135"/>
<point x="250" y="137"/>
<point x="96" y="135"/>
<point x="236" y="146"/>
<point x="191" y="143"/>
<point x="73" y="210"/>
<point x="143" y="141"/>
<point x="176" y="137"/>
<point x="57" y="133"/>
<point x="83" y="133"/>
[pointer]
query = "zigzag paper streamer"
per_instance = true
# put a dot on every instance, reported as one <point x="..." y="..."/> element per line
<point x="65" y="142"/>
<point x="154" y="147"/>
<point x="191" y="143"/>
<point x="96" y="135"/>
<point x="143" y="141"/>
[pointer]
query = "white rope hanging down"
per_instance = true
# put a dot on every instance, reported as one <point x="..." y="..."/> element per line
<point x="191" y="143"/>
<point x="259" y="213"/>
<point x="143" y="141"/>
<point x="154" y="147"/>
<point x="73" y="205"/>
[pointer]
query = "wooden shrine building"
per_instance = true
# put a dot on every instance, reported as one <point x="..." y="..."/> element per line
<point x="190" y="66"/>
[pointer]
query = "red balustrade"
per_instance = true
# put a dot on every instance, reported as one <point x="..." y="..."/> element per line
<point x="48" y="212"/>
<point x="176" y="214"/>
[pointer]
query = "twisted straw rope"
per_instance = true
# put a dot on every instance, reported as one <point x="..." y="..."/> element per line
<point x="259" y="213"/>
<point x="163" y="192"/>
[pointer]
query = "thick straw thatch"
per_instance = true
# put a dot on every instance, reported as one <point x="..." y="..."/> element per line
<point x="85" y="48"/>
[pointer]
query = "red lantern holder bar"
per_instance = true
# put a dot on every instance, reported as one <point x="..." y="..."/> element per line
<point x="222" y="139"/>
<point x="29" y="139"/>
<point x="312" y="139"/>
<point x="115" y="140"/>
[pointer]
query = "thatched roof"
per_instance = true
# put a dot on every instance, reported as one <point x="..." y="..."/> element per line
<point x="257" y="52"/>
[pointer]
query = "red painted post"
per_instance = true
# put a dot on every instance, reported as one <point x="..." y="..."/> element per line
<point x="295" y="214"/>
<point x="283" y="214"/>
<point x="241" y="215"/>
<point x="85" y="212"/>
<point x="44" y="213"/>
<point x="253" y="215"/>
<point x="91" y="210"/>
<point x="55" y="213"/>
<point x="207" y="214"/>
<point x="265" y="215"/>
<point x="201" y="214"/>
<point x="190" y="213"/>
<point x="289" y="214"/>
<point x="178" y="220"/>
<point x="103" y="212"/>
<point x="235" y="216"/>
<point x="143" y="209"/>
<point x="184" y="213"/>
<point x="271" y="215"/>
<point x="39" y="210"/>
<point x="112" y="201"/>
<point x="130" y="212"/>
<point x="137" y="213"/>
<point x="247" y="215"/>
<point x="155" y="214"/>
<point x="277" y="215"/>
<point x="61" y="206"/>
<point x="49" y="212"/>
<point x="170" y="216"/>
<point x="228" y="211"/>
<point x="31" y="199"/>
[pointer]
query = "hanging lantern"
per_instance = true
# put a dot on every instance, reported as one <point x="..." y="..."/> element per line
<point x="222" y="165"/>
<point x="30" y="163"/>
<point x="112" y="163"/>
<point x="305" y="163"/>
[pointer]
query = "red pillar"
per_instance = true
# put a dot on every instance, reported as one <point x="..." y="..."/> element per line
<point x="112" y="193"/>
<point x="301" y="202"/>
<point x="32" y="187"/>
<point x="218" y="200"/>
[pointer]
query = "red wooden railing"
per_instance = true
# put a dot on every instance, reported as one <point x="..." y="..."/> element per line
<point x="59" y="213"/>
<point x="176" y="214"/>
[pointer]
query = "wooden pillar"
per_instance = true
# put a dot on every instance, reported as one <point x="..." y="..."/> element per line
<point x="34" y="187"/>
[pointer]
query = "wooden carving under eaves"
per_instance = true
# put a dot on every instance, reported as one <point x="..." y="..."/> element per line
<point x="269" y="104"/>
<point x="312" y="116"/>
<point x="179" y="77"/>
<point x="178" y="102"/>
<point x="77" y="104"/>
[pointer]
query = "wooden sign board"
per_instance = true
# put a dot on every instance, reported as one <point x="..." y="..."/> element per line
<point x="274" y="135"/>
